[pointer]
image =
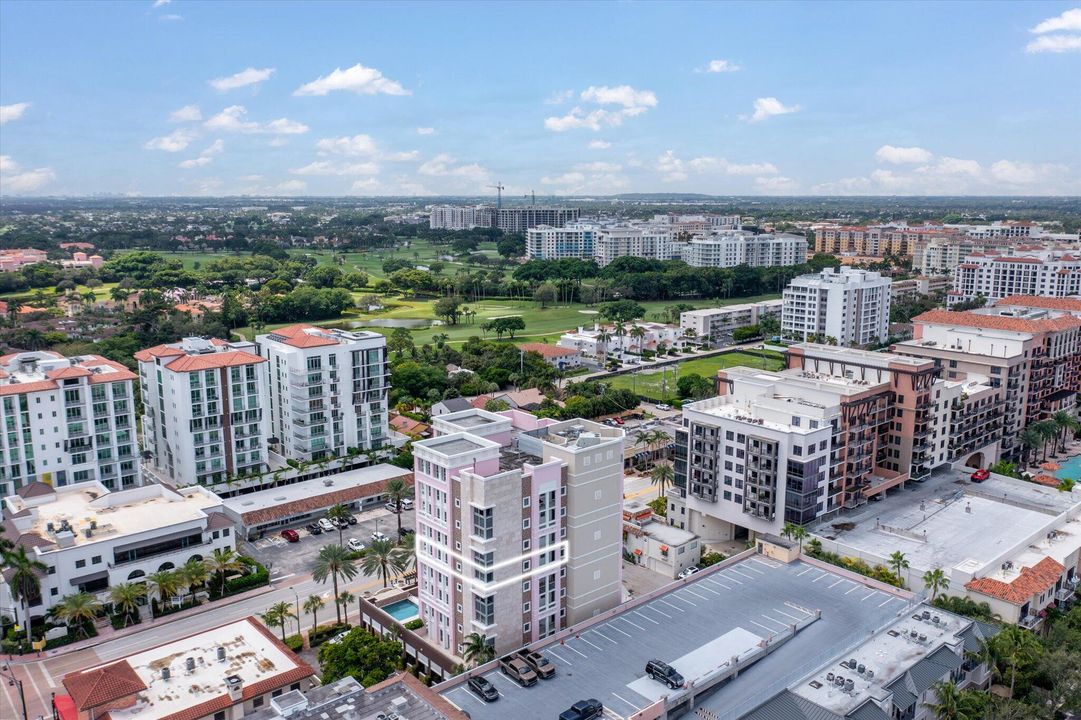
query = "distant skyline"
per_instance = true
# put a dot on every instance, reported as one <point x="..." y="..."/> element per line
<point x="170" y="97"/>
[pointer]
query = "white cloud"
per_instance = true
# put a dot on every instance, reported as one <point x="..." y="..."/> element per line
<point x="599" y="145"/>
<point x="205" y="156"/>
<point x="1021" y="173"/>
<point x="231" y="119"/>
<point x="248" y="76"/>
<point x="720" y="66"/>
<point x="289" y="187"/>
<point x="350" y="146"/>
<point x="903" y="155"/>
<point x="674" y="169"/>
<point x="403" y="156"/>
<point x="559" y="97"/>
<point x="949" y="166"/>
<point x="1055" y="44"/>
<point x="425" y="131"/>
<point x="362" y="186"/>
<point x="443" y="165"/>
<point x="598" y="167"/>
<point x="776" y="184"/>
<point x="173" y="142"/>
<point x="1068" y="20"/>
<point x="161" y="3"/>
<point x="12" y="112"/>
<point x="769" y="106"/>
<point x="632" y="102"/>
<point x="14" y="179"/>
<point x="599" y="178"/>
<point x="327" y="167"/>
<point x="188" y="113"/>
<point x="357" y="79"/>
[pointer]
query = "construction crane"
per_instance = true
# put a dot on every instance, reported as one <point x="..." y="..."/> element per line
<point x="499" y="187"/>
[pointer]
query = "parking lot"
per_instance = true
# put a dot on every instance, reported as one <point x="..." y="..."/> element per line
<point x="285" y="558"/>
<point x="715" y="616"/>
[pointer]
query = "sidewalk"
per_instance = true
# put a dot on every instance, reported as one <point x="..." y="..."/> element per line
<point x="108" y="633"/>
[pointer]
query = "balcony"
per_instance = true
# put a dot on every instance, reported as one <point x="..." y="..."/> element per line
<point x="1030" y="622"/>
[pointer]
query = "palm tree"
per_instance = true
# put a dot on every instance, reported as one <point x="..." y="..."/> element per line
<point x="339" y="514"/>
<point x="691" y="335"/>
<point x="278" y="615"/>
<point x="78" y="609"/>
<point x="789" y="530"/>
<point x="638" y="333"/>
<point x="935" y="581"/>
<point x="1048" y="433"/>
<point x="397" y="490"/>
<point x="164" y="583"/>
<point x="125" y="598"/>
<point x="193" y="573"/>
<point x="331" y="562"/>
<point x="1066" y="423"/>
<point x="603" y="338"/>
<point x="620" y="332"/>
<point x="23" y="580"/>
<point x="383" y="557"/>
<point x="222" y="562"/>
<point x="1031" y="439"/>
<point x="814" y="547"/>
<point x="312" y="606"/>
<point x="953" y="704"/>
<point x="344" y="598"/>
<point x="897" y="563"/>
<point x="1011" y="648"/>
<point x="661" y="476"/>
<point x="477" y="649"/>
<point x="799" y="534"/>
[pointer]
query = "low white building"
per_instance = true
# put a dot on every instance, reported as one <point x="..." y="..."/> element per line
<point x="603" y="340"/>
<point x="91" y="539"/>
<point x="714" y="325"/>
<point x="662" y="548"/>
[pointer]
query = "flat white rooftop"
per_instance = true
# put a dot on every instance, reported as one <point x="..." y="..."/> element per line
<point x="273" y="497"/>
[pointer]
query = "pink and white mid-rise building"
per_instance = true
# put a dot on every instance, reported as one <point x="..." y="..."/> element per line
<point x="519" y="526"/>
<point x="1021" y="271"/>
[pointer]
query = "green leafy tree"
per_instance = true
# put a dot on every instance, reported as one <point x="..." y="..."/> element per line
<point x="222" y="562"/>
<point x="164" y="584"/>
<point x="936" y="581"/>
<point x="396" y="491"/>
<point x="622" y="311"/>
<point x="477" y="649"/>
<point x="79" y="610"/>
<point x="334" y="561"/>
<point x="799" y="534"/>
<point x="954" y="704"/>
<point x="898" y="563"/>
<point x="278" y="615"/>
<point x="344" y="598"/>
<point x="312" y="606"/>
<point x="125" y="599"/>
<point x="23" y="578"/>
<point x="383" y="558"/>
<point x="369" y="658"/>
<point x="339" y="514"/>
<point x="400" y="342"/>
<point x="661" y="477"/>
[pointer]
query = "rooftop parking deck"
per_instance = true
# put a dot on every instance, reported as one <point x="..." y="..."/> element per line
<point x="697" y="625"/>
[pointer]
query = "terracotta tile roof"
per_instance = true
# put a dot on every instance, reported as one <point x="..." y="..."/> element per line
<point x="19" y="388"/>
<point x="1029" y="260"/>
<point x="408" y="425"/>
<point x="211" y="361"/>
<point x="548" y="351"/>
<point x="69" y="372"/>
<point x="303" y="335"/>
<point x="35" y="489"/>
<point x="996" y="322"/>
<point x="122" y="372"/>
<point x="158" y="351"/>
<point x="102" y="685"/>
<point x="1051" y="303"/>
<point x="1031" y="581"/>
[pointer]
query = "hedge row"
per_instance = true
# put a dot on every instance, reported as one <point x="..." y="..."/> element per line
<point x="323" y="633"/>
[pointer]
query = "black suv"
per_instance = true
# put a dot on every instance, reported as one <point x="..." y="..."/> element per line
<point x="665" y="673"/>
<point x="314" y="529"/>
<point x="484" y="688"/>
<point x="583" y="710"/>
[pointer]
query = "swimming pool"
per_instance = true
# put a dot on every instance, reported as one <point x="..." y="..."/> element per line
<point x="402" y="610"/>
<point x="1070" y="468"/>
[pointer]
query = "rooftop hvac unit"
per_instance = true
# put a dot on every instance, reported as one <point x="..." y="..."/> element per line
<point x="221" y="654"/>
<point x="839" y="681"/>
<point x="165" y="673"/>
<point x="189" y="664"/>
<point x="849" y="686"/>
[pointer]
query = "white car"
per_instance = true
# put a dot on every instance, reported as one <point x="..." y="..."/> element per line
<point x="662" y="406"/>
<point x="327" y="525"/>
<point x="355" y="545"/>
<point x="379" y="537"/>
<point x="687" y="572"/>
<point x="337" y="638"/>
<point x="407" y="504"/>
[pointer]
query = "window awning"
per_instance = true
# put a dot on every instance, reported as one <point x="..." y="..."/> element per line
<point x="664" y="548"/>
<point x="637" y="551"/>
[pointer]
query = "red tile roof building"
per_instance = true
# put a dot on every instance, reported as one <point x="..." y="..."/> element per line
<point x="1043" y="273"/>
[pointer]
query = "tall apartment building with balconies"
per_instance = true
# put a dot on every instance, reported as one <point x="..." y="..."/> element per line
<point x="66" y="420"/>
<point x="576" y="240"/>
<point x="645" y="241"/>
<point x="729" y="249"/>
<point x="1024" y="271"/>
<point x="519" y="523"/>
<point x="204" y="417"/>
<point x="520" y="219"/>
<point x="851" y="306"/>
<point x="327" y="390"/>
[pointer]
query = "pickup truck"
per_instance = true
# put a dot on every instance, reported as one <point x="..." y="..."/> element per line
<point x="583" y="710"/>
<point x="540" y="664"/>
<point x="516" y="669"/>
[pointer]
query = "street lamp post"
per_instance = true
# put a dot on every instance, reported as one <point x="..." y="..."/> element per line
<point x="297" y="596"/>
<point x="15" y="682"/>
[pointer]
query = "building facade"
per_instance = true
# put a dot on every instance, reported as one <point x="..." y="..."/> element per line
<point x="520" y="219"/>
<point x="327" y="390"/>
<point x="459" y="217"/>
<point x="518" y="526"/>
<point x="732" y="249"/>
<point x="715" y="325"/>
<point x="556" y="243"/>
<point x="851" y="306"/>
<point x="1045" y="273"/>
<point x="204" y="414"/>
<point x="67" y="420"/>
<point x="647" y="241"/>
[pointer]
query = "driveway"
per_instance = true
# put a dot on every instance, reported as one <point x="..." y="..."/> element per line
<point x="285" y="559"/>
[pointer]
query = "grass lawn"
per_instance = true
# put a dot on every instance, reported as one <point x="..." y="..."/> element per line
<point x="654" y="382"/>
<point x="29" y="297"/>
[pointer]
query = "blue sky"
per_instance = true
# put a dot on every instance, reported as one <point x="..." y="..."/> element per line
<point x="183" y="98"/>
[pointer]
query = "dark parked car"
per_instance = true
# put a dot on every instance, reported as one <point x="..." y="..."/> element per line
<point x="583" y="710"/>
<point x="291" y="535"/>
<point x="352" y="519"/>
<point x="665" y="673"/>
<point x="314" y="529"/>
<point x="484" y="688"/>
<point x="406" y="532"/>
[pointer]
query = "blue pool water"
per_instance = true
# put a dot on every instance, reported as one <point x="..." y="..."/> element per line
<point x="1070" y="468"/>
<point x="403" y="610"/>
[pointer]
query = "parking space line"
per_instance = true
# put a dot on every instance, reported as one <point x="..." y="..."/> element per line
<point x="800" y="574"/>
<point x="578" y="651"/>
<point x="770" y="630"/>
<point x="742" y="575"/>
<point x="873" y="592"/>
<point x="595" y="647"/>
<point x="825" y="574"/>
<point x="770" y="565"/>
<point x="782" y="612"/>
<point x="887" y="600"/>
<point x="505" y="679"/>
<point x="595" y="630"/>
<point x="798" y="609"/>
<point x="633" y="624"/>
<point x="692" y="592"/>
<point x="731" y="579"/>
<point x="702" y="586"/>
<point x="611" y="626"/>
<point x="678" y="597"/>
<point x="647" y="617"/>
<point x="715" y="581"/>
<point x="775" y="620"/>
<point x="627" y="702"/>
<point x="854" y="589"/>
<point x="557" y="657"/>
<point x="659" y="611"/>
<point x="841" y="580"/>
<point x="747" y="566"/>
